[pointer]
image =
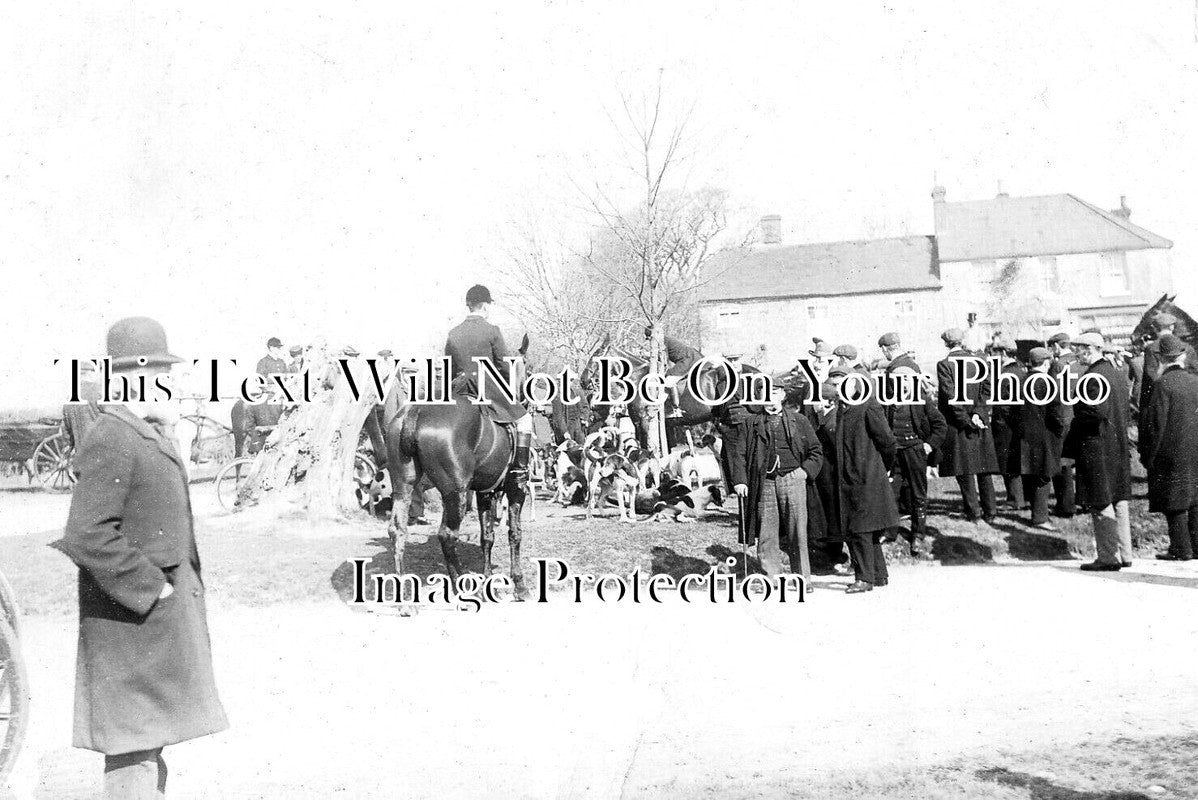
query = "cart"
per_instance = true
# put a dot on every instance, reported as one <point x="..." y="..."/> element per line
<point x="42" y="450"/>
<point x="14" y="682"/>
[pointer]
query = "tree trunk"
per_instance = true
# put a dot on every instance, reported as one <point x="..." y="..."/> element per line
<point x="657" y="417"/>
<point x="308" y="460"/>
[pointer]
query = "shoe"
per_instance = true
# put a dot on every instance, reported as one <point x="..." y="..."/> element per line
<point x="1098" y="566"/>
<point x="989" y="520"/>
<point x="1125" y="564"/>
<point x="857" y="587"/>
<point x="1169" y="557"/>
<point x="843" y="569"/>
<point x="1045" y="526"/>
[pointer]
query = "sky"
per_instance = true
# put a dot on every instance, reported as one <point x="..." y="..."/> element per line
<point x="348" y="170"/>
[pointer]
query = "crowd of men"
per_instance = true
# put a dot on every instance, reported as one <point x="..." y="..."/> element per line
<point x="834" y="472"/>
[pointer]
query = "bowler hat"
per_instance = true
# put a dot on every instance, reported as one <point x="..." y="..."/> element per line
<point x="953" y="336"/>
<point x="845" y="351"/>
<point x="274" y="342"/>
<point x="822" y="350"/>
<point x="1164" y="320"/>
<point x="477" y="295"/>
<point x="138" y="341"/>
<point x="889" y="339"/>
<point x="1171" y="346"/>
<point x="1038" y="355"/>
<point x="1090" y="339"/>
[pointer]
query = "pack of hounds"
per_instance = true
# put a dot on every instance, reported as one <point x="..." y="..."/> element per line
<point x="610" y="468"/>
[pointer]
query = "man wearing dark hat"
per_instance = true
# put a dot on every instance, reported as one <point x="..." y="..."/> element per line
<point x="848" y="358"/>
<point x="473" y="338"/>
<point x="273" y="362"/>
<point x="1004" y="422"/>
<point x="894" y="353"/>
<point x="144" y="670"/>
<point x="1097" y="443"/>
<point x="1163" y="323"/>
<point x="968" y="450"/>
<point x="1040" y="429"/>
<point x="296" y="354"/>
<point x="919" y="429"/>
<point x="1169" y="448"/>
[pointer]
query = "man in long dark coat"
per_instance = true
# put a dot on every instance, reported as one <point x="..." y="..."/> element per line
<point x="1040" y="428"/>
<point x="1064" y="484"/>
<point x="919" y="430"/>
<point x="1164" y="324"/>
<point x="143" y="675"/>
<point x="968" y="451"/>
<point x="1003" y="422"/>
<point x="858" y="501"/>
<point x="1098" y="445"/>
<point x="1169" y="449"/>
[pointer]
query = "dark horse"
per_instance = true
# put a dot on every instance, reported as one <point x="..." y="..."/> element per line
<point x="1187" y="328"/>
<point x="460" y="448"/>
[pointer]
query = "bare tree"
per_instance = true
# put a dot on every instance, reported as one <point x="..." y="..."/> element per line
<point x="1017" y="302"/>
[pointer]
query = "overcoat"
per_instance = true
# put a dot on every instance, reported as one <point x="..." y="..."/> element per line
<point x="143" y="675"/>
<point x="1169" y="441"/>
<point x="1152" y="366"/>
<point x="1097" y="441"/>
<point x="1040" y="429"/>
<point x="1004" y="420"/>
<point x="853" y="486"/>
<point x="967" y="450"/>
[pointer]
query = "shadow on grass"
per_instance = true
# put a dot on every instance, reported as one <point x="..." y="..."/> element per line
<point x="959" y="550"/>
<point x="667" y="561"/>
<point x="1043" y="789"/>
<point x="1032" y="545"/>
<point x="421" y="558"/>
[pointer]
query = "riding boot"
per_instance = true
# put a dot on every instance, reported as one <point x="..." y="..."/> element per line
<point x="519" y="468"/>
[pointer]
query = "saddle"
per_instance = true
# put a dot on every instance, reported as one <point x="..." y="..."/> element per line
<point x="499" y="409"/>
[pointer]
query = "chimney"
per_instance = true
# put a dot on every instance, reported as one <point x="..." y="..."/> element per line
<point x="1122" y="211"/>
<point x="771" y="229"/>
<point x="938" y="195"/>
<point x="1001" y="193"/>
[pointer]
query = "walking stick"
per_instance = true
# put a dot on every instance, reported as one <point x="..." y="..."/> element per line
<point x="740" y="528"/>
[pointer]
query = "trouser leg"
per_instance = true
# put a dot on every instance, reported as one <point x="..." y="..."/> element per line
<point x="1179" y="533"/>
<point x="1063" y="488"/>
<point x="987" y="496"/>
<point x="861" y="548"/>
<point x="913" y="465"/>
<point x="1106" y="536"/>
<point x="769" y="552"/>
<point x="1014" y="487"/>
<point x="881" y="574"/>
<point x="1193" y="520"/>
<point x="140" y="775"/>
<point x="969" y="495"/>
<point x="1038" y="487"/>
<point x="792" y="507"/>
<point x="1123" y="528"/>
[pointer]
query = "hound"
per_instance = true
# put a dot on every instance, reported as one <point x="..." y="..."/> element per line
<point x="614" y="474"/>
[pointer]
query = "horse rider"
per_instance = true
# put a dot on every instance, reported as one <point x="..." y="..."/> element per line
<point x="681" y="357"/>
<point x="473" y="338"/>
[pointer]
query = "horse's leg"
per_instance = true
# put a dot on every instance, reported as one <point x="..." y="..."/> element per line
<point x="454" y="508"/>
<point x="404" y="478"/>
<point x="515" y="502"/>
<point x="486" y="528"/>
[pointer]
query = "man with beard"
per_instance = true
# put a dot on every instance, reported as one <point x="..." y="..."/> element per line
<point x="968" y="451"/>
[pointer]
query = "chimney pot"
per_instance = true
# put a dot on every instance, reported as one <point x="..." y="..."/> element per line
<point x="938" y="194"/>
<point x="1122" y="211"/>
<point x="771" y="229"/>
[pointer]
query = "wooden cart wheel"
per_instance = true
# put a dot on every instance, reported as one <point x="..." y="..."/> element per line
<point x="51" y="463"/>
<point x="10" y="611"/>
<point x="14" y="699"/>
<point x="229" y="481"/>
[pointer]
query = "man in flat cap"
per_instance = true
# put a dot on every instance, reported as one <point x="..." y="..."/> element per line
<point x="143" y="675"/>
<point x="919" y="430"/>
<point x="1163" y="323"/>
<point x="895" y="354"/>
<point x="968" y="450"/>
<point x="296" y="354"/>
<point x="1169" y="449"/>
<point x="1097" y="444"/>
<point x="273" y="362"/>
<point x="848" y="358"/>
<point x="1040" y="429"/>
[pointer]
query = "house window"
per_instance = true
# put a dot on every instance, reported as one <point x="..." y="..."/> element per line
<point x="817" y="310"/>
<point x="1050" y="274"/>
<point x="904" y="307"/>
<point x="728" y="320"/>
<point x="1112" y="275"/>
